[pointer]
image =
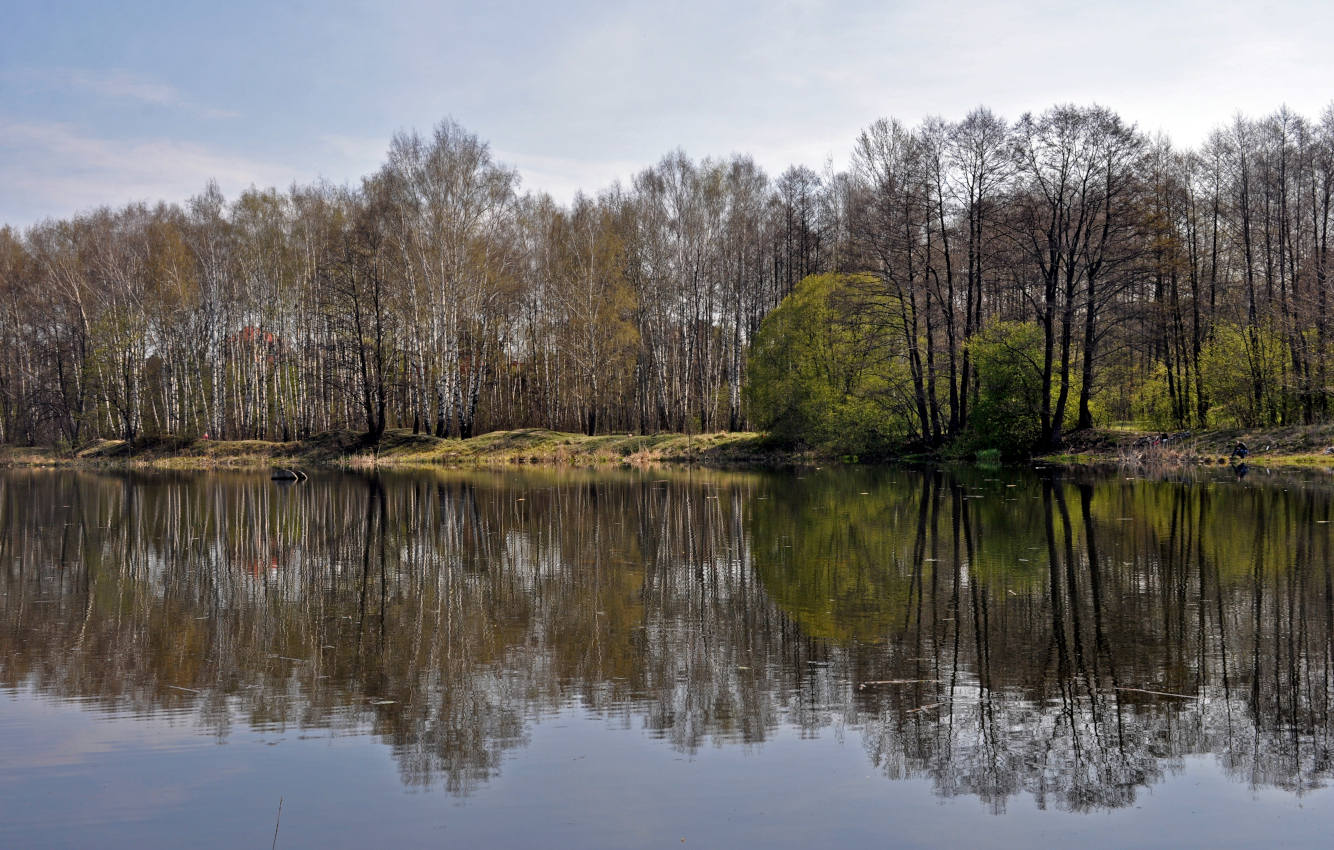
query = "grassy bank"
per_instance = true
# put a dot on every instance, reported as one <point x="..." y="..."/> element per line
<point x="401" y="448"/>
<point x="1310" y="446"/>
<point x="1297" y="446"/>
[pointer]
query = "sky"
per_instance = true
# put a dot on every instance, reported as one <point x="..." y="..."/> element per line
<point x="110" y="103"/>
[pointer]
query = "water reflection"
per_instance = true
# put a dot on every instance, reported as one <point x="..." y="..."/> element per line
<point x="1073" y="639"/>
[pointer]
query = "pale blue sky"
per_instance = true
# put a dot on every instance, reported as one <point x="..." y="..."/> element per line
<point x="112" y="102"/>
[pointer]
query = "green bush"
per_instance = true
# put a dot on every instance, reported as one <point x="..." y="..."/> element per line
<point x="1153" y="402"/>
<point x="817" y="372"/>
<point x="1233" y="362"/>
<point x="1007" y="416"/>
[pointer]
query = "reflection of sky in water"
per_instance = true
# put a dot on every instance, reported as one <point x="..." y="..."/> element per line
<point x="580" y="782"/>
<point x="619" y="660"/>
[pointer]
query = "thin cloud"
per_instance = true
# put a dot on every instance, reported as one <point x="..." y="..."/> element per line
<point x="359" y="155"/>
<point x="122" y="84"/>
<point x="563" y="177"/>
<point x="580" y="95"/>
<point x="117" y="84"/>
<point x="53" y="169"/>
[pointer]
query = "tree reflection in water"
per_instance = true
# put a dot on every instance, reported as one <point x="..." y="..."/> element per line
<point x="1002" y="634"/>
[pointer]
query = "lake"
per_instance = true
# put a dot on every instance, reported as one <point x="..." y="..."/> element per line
<point x="567" y="658"/>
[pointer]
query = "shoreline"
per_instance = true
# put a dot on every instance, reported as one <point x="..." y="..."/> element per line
<point x="1284" y="447"/>
<point x="1292" y="447"/>
<point x="403" y="449"/>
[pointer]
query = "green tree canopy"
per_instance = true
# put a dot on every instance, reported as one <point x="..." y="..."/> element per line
<point x="820" y="374"/>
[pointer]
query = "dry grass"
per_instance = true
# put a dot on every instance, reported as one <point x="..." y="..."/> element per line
<point x="401" y="448"/>
<point x="541" y="446"/>
<point x="1297" y="446"/>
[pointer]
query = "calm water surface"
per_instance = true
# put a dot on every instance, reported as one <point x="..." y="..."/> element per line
<point x="626" y="659"/>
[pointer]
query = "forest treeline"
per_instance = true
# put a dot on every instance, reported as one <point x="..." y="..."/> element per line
<point x="1001" y="281"/>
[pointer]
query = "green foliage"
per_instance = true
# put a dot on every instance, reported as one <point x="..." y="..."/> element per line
<point x="1007" y="416"/>
<point x="1153" y="402"/>
<point x="1115" y="398"/>
<point x="1233" y="363"/>
<point x="816" y="374"/>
